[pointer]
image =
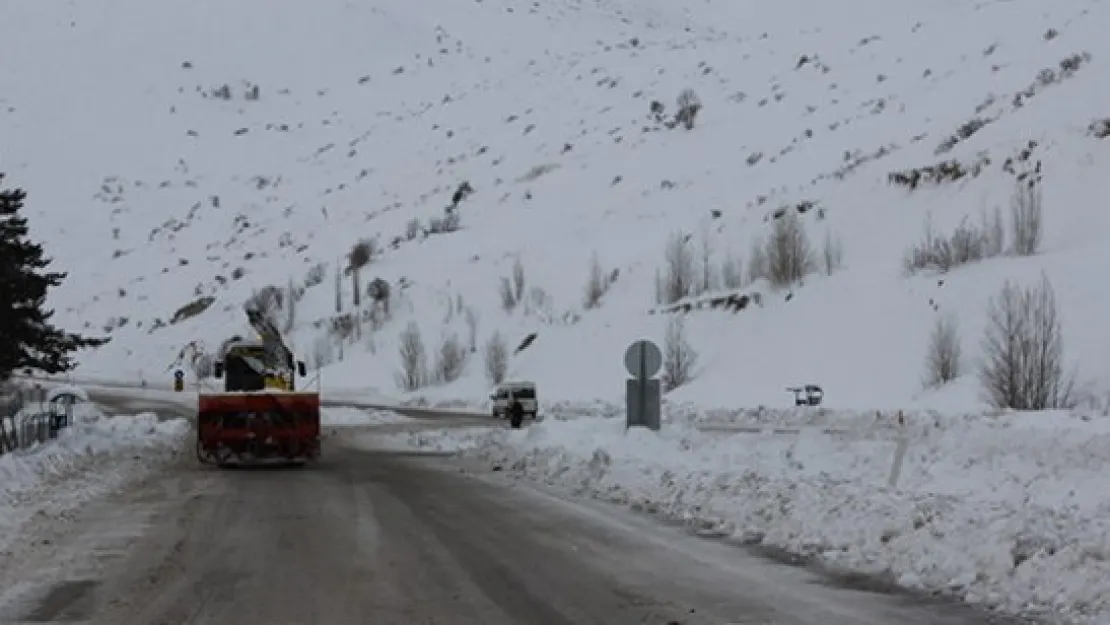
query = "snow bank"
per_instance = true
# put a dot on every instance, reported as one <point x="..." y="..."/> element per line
<point x="356" y="416"/>
<point x="94" y="456"/>
<point x="1013" y="513"/>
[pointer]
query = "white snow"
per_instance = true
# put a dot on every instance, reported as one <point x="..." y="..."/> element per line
<point x="94" y="456"/>
<point x="153" y="190"/>
<point x="1010" y="513"/>
<point x="370" y="115"/>
<point x="356" y="416"/>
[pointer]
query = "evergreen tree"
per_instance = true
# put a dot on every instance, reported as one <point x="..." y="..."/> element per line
<point x="27" y="339"/>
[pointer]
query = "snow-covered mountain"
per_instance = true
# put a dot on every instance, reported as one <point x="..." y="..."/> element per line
<point x="180" y="156"/>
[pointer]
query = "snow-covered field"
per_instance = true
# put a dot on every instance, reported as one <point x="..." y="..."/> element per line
<point x="1011" y="513"/>
<point x="356" y="416"/>
<point x="89" y="459"/>
<point x="209" y="150"/>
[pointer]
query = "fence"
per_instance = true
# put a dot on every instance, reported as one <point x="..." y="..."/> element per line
<point x="27" y="419"/>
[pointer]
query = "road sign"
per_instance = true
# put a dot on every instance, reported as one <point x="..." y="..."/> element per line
<point x="643" y="359"/>
<point x="643" y="403"/>
<point x="179" y="375"/>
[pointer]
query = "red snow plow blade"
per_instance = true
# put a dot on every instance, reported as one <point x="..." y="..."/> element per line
<point x="254" y="427"/>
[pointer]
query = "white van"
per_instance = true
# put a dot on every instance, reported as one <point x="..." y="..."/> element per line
<point x="524" y="392"/>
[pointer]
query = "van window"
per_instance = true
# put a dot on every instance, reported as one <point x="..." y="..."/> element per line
<point x="524" y="393"/>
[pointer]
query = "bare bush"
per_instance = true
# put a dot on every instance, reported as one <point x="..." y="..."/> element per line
<point x="732" y="272"/>
<point x="967" y="244"/>
<point x="508" y="296"/>
<point x="994" y="234"/>
<point x="471" y="329"/>
<point x="1023" y="351"/>
<point x="758" y="268"/>
<point x="496" y="358"/>
<point x="678" y="268"/>
<point x="518" y="279"/>
<point x="1026" y="216"/>
<point x="706" y="249"/>
<point x="944" y="354"/>
<point x="689" y="105"/>
<point x="414" y="364"/>
<point x="596" y="284"/>
<point x="789" y="253"/>
<point x="832" y="255"/>
<point x="679" y="357"/>
<point x="359" y="256"/>
<point x="450" y="360"/>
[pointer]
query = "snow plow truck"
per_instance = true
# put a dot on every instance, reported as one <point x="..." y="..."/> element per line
<point x="259" y="417"/>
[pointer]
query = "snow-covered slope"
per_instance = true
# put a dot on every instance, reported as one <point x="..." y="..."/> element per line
<point x="342" y="121"/>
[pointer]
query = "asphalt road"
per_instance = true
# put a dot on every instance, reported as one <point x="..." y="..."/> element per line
<point x="388" y="538"/>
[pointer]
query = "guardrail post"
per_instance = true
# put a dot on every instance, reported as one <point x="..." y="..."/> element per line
<point x="900" y="449"/>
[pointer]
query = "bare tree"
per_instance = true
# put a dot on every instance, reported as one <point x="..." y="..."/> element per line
<point x="1023" y="351"/>
<point x="596" y="284"/>
<point x="508" y="295"/>
<point x="338" y="288"/>
<point x="518" y="279"/>
<point x="732" y="272"/>
<point x="292" y="296"/>
<point x="758" y="268"/>
<point x="679" y="357"/>
<point x="678" y="268"/>
<point x="832" y="254"/>
<point x="706" y="249"/>
<point x="360" y="255"/>
<point x="1026" y="216"/>
<point x="414" y="363"/>
<point x="943" y="358"/>
<point x="789" y="253"/>
<point x="450" y="360"/>
<point x="497" y="358"/>
<point x="994" y="233"/>
<point x="472" y="329"/>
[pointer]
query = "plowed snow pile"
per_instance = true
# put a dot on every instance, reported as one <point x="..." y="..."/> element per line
<point x="93" y="457"/>
<point x="1011" y="512"/>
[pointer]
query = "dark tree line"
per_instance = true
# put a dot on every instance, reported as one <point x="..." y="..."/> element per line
<point x="27" y="338"/>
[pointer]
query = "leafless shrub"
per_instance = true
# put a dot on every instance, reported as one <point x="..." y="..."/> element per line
<point x="706" y="249"/>
<point x="688" y="105"/>
<point x="944" y="354"/>
<point x="472" y="329"/>
<point x="758" y="267"/>
<point x="508" y="296"/>
<point x="789" y="253"/>
<point x="450" y="360"/>
<point x="518" y="279"/>
<point x="967" y="244"/>
<point x="414" y="365"/>
<point x="994" y="233"/>
<point x="496" y="358"/>
<point x="596" y="284"/>
<point x="1026" y="216"/>
<point x="832" y="254"/>
<point x="1023" y="351"/>
<point x="413" y="229"/>
<point x="679" y="357"/>
<point x="678" y="278"/>
<point x="732" y="272"/>
<point x="316" y="275"/>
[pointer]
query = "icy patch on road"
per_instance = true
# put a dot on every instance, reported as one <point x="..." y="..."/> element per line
<point x="1010" y="513"/>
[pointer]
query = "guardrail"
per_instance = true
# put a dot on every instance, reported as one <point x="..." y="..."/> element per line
<point x="26" y="419"/>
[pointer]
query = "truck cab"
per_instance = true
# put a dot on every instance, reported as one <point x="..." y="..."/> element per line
<point x="506" y="392"/>
<point x="243" y="369"/>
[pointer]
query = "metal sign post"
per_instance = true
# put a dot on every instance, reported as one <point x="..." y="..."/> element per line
<point x="643" y="393"/>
